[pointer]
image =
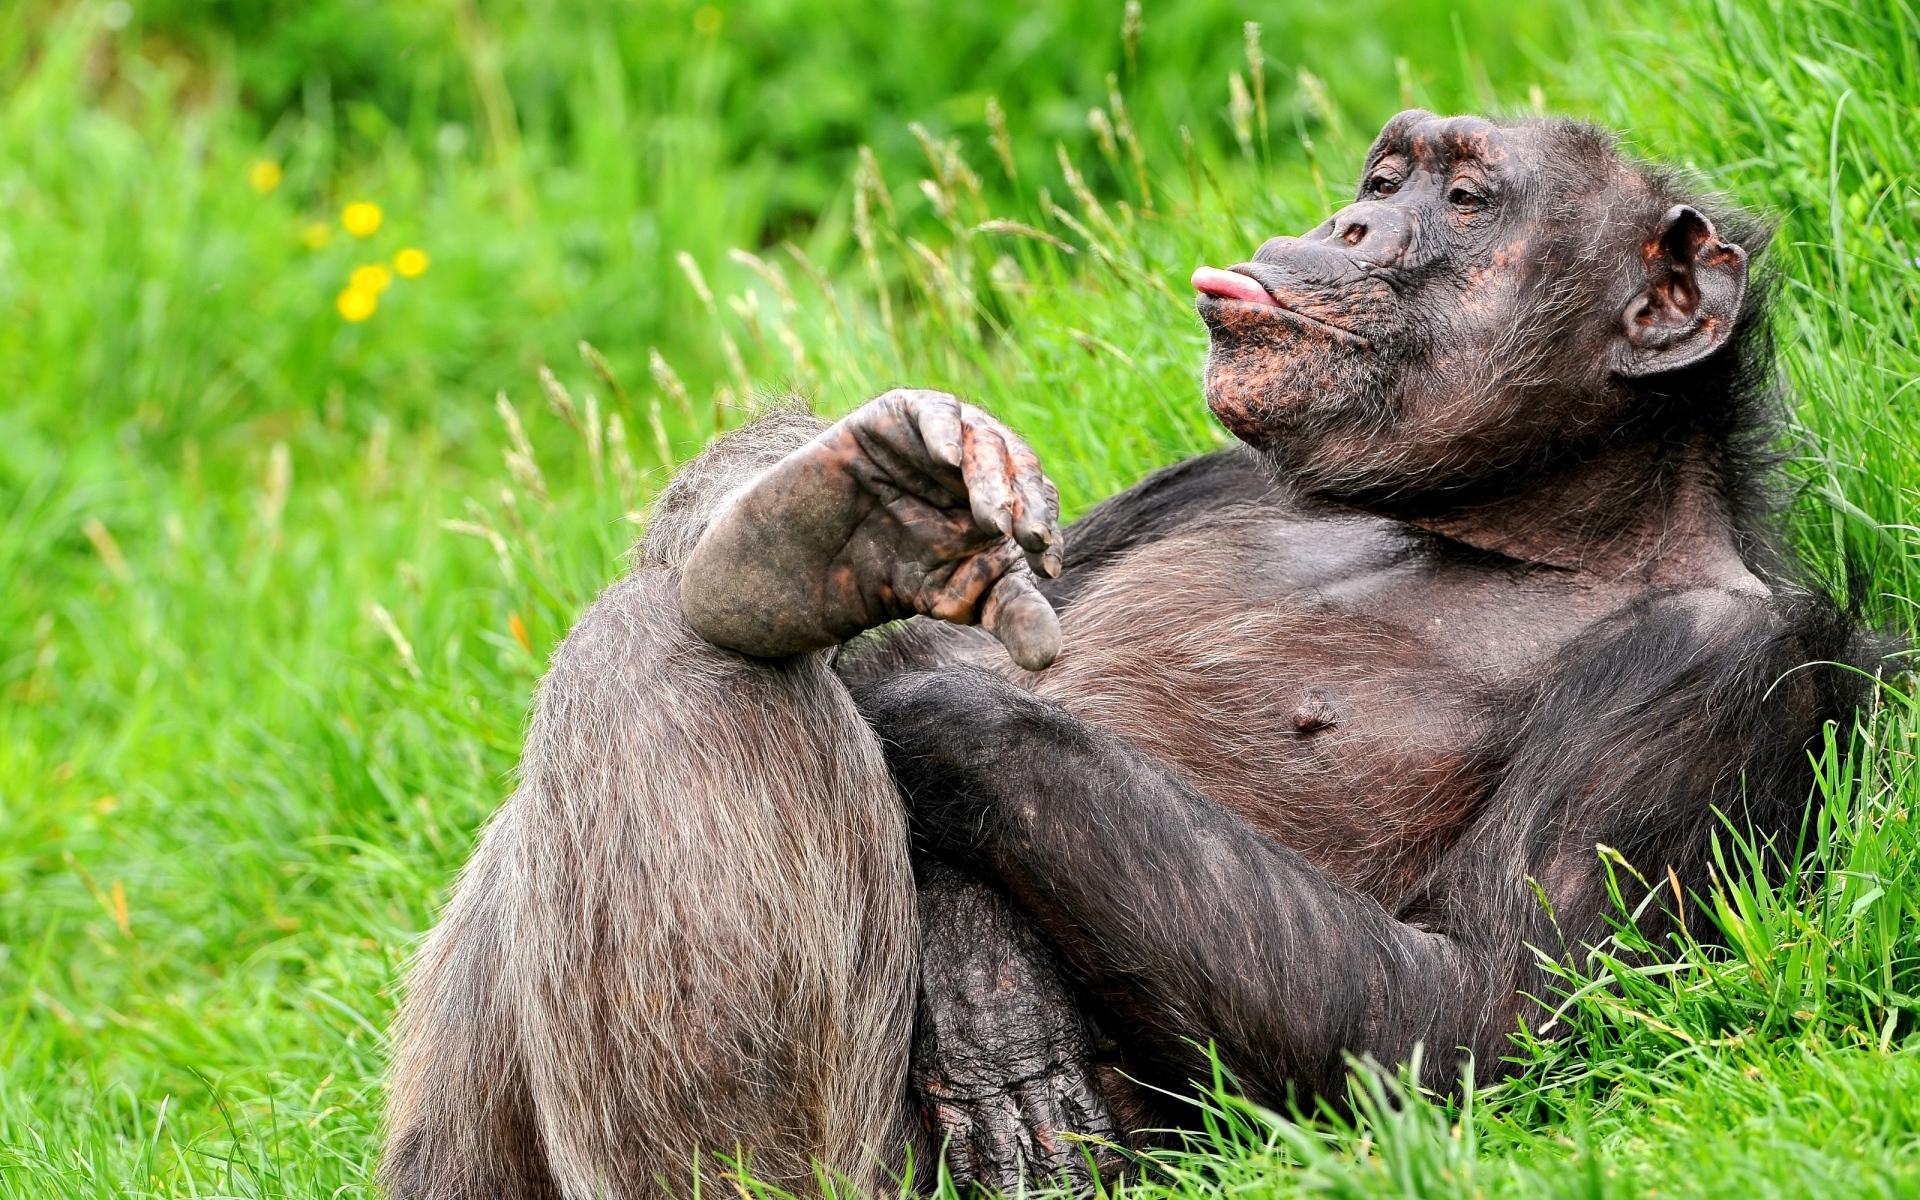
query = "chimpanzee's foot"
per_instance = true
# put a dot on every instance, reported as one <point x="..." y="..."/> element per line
<point x="1001" y="1060"/>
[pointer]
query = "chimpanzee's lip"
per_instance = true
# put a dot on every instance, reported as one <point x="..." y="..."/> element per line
<point x="1232" y="285"/>
<point x="1237" y="286"/>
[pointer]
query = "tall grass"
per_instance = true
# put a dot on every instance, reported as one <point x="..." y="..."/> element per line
<point x="279" y="584"/>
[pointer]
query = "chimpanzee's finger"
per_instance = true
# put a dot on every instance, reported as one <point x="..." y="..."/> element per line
<point x="1036" y="523"/>
<point x="989" y="488"/>
<point x="960" y="596"/>
<point x="953" y="1125"/>
<point x="889" y="432"/>
<point x="1056" y="1155"/>
<point x="999" y="1144"/>
<point x="1020" y="617"/>
<point x="1048" y="562"/>
<point x="939" y="418"/>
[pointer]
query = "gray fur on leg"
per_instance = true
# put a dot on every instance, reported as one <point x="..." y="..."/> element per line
<point x="690" y="930"/>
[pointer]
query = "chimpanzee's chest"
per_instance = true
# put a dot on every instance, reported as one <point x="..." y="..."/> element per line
<point x="1341" y="683"/>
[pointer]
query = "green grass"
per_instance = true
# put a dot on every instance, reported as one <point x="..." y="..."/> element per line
<point x="256" y="692"/>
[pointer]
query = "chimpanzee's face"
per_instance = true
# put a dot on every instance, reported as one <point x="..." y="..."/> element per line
<point x="1454" y="318"/>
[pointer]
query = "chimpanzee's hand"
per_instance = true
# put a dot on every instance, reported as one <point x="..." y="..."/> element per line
<point x="913" y="504"/>
<point x="1001" y="1061"/>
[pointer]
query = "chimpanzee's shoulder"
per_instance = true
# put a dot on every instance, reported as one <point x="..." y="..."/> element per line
<point x="1162" y="504"/>
<point x="1708" y="646"/>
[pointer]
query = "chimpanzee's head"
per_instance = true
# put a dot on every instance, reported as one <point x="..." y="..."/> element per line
<point x="1496" y="295"/>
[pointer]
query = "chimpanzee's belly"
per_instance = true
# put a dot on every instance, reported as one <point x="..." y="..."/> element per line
<point x="1334" y="682"/>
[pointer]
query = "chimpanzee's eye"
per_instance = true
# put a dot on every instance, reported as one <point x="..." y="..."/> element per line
<point x="1464" y="197"/>
<point x="1383" y="185"/>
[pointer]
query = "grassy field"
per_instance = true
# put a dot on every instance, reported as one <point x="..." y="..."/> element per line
<point x="275" y="584"/>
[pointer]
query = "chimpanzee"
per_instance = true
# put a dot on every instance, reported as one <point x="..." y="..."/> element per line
<point x="1307" y="748"/>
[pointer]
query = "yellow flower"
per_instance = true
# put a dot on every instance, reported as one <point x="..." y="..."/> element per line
<point x="356" y="304"/>
<point x="264" y="175"/>
<point x="316" y="235"/>
<point x="361" y="218"/>
<point x="411" y="262"/>
<point x="373" y="279"/>
<point x="708" y="19"/>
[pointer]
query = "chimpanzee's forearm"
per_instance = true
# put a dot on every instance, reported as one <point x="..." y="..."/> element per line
<point x="1194" y="927"/>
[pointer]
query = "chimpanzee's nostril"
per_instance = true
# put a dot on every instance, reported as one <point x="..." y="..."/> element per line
<point x="1354" y="233"/>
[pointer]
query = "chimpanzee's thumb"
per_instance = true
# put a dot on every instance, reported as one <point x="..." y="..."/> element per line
<point x="1017" y="614"/>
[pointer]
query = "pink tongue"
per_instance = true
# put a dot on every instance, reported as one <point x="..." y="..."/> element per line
<point x="1230" y="284"/>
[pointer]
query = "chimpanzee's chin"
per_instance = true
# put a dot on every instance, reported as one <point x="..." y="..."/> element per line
<point x="1255" y="427"/>
<point x="1267" y="391"/>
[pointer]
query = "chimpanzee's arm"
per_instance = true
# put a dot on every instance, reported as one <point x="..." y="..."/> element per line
<point x="1184" y="920"/>
<point x="1195" y="928"/>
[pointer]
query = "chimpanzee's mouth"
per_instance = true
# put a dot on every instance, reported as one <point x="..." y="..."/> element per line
<point x="1238" y="285"/>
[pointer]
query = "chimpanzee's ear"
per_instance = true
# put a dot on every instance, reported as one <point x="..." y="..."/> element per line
<point x="1694" y="285"/>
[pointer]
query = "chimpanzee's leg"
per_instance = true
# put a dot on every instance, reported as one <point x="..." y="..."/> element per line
<point x="690" y="932"/>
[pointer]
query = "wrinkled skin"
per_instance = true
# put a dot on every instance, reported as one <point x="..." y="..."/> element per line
<point x="916" y="504"/>
<point x="1326" y="720"/>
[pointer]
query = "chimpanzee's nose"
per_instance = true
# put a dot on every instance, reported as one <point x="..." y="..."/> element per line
<point x="1357" y="238"/>
<point x="1378" y="233"/>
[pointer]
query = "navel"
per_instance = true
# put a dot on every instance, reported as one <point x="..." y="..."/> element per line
<point x="1314" y="713"/>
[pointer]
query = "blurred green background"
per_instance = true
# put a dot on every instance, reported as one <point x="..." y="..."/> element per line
<point x="289" y="519"/>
